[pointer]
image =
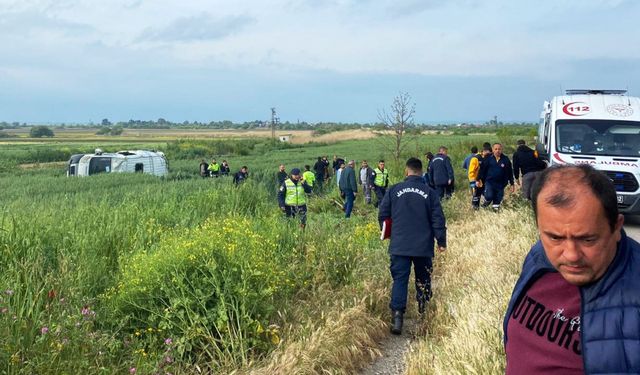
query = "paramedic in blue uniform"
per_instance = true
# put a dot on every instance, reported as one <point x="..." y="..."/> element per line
<point x="417" y="221"/>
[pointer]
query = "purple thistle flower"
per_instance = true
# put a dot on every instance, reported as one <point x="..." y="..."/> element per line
<point x="168" y="341"/>
<point x="44" y="330"/>
<point x="132" y="370"/>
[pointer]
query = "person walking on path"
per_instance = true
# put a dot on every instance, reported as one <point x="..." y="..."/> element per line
<point x="281" y="175"/>
<point x="380" y="182"/>
<point x="308" y="176"/>
<point x="241" y="175"/>
<point x="214" y="168"/>
<point x="417" y="220"/>
<point x="204" y="169"/>
<point x="475" y="165"/>
<point x="495" y="174"/>
<point x="575" y="307"/>
<point x="441" y="173"/>
<point x="349" y="187"/>
<point x="366" y="180"/>
<point x="428" y="156"/>
<point x="292" y="197"/>
<point x="526" y="163"/>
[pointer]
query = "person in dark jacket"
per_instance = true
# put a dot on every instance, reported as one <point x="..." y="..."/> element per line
<point x="224" y="168"/>
<point x="320" y="169"/>
<point x="441" y="173"/>
<point x="495" y="173"/>
<point x="349" y="187"/>
<point x="576" y="307"/>
<point x="416" y="220"/>
<point x="241" y="175"/>
<point x="428" y="156"/>
<point x="292" y="197"/>
<point x="525" y="163"/>
<point x="204" y="169"/>
<point x="281" y="175"/>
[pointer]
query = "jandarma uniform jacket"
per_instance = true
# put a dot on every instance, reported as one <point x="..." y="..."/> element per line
<point x="610" y="309"/>
<point x="417" y="218"/>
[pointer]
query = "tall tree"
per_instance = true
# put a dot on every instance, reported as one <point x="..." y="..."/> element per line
<point x="397" y="120"/>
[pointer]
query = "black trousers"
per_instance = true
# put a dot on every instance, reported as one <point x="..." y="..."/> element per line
<point x="299" y="211"/>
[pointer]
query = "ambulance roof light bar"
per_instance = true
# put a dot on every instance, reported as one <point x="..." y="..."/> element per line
<point x="595" y="92"/>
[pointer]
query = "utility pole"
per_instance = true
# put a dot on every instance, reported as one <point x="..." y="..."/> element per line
<point x="274" y="123"/>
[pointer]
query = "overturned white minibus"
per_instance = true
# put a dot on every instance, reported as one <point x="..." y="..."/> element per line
<point x="138" y="161"/>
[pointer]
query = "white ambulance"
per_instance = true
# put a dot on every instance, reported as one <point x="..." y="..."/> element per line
<point x="138" y="161"/>
<point x="597" y="127"/>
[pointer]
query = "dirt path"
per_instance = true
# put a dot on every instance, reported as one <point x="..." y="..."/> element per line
<point x="393" y="349"/>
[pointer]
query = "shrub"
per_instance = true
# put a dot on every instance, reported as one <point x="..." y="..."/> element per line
<point x="40" y="131"/>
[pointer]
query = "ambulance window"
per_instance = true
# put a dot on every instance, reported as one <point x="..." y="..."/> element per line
<point x="139" y="168"/>
<point x="99" y="165"/>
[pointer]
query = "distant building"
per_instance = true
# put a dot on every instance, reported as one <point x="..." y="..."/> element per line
<point x="284" y="137"/>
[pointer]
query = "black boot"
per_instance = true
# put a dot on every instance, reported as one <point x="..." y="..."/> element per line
<point x="396" y="322"/>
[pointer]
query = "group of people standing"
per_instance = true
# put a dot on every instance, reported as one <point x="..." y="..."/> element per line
<point x="490" y="171"/>
<point x="215" y="170"/>
<point x="294" y="187"/>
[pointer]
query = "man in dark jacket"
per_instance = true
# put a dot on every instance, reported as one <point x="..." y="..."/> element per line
<point x="241" y="175"/>
<point x="204" y="169"/>
<point x="526" y="162"/>
<point x="224" y="168"/>
<point x="292" y="197"/>
<point x="416" y="220"/>
<point x="349" y="187"/>
<point x="441" y="173"/>
<point x="281" y="175"/>
<point x="576" y="307"/>
<point x="495" y="173"/>
<point x="320" y="169"/>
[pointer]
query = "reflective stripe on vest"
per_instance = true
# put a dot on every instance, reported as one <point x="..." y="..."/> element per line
<point x="381" y="177"/>
<point x="295" y="194"/>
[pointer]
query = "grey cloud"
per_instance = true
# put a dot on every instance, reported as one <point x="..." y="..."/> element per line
<point x="201" y="27"/>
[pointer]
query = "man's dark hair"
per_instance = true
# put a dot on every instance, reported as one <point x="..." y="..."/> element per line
<point x="474" y="150"/>
<point x="521" y="142"/>
<point x="486" y="148"/>
<point x="429" y="155"/>
<point x="600" y="185"/>
<point x="486" y="145"/>
<point x="415" y="165"/>
<point x="319" y="158"/>
<point x="307" y="167"/>
<point x="381" y="161"/>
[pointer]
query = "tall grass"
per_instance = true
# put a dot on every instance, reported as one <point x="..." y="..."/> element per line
<point x="473" y="280"/>
<point x="183" y="274"/>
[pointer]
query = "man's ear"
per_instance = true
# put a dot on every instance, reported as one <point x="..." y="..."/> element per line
<point x="619" y="224"/>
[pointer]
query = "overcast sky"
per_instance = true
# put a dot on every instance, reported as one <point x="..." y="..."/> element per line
<point x="314" y="60"/>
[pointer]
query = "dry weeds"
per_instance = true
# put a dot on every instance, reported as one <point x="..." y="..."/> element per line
<point x="472" y="285"/>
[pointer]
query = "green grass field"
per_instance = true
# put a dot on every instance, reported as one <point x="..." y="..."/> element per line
<point x="181" y="274"/>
